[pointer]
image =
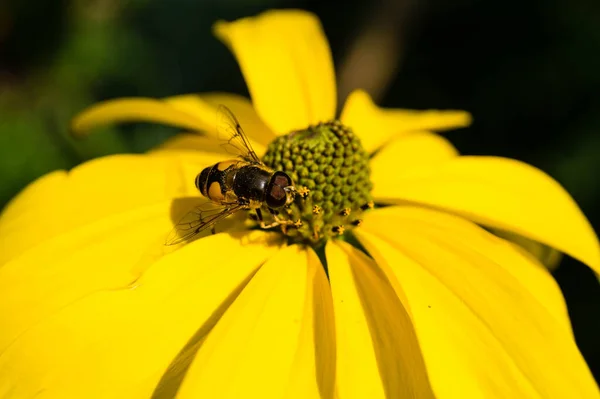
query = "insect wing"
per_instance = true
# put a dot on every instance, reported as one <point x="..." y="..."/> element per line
<point x="235" y="140"/>
<point x="198" y="220"/>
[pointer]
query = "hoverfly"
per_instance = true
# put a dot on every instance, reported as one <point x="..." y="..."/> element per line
<point x="232" y="185"/>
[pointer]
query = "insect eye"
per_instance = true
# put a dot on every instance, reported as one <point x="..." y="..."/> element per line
<point x="276" y="195"/>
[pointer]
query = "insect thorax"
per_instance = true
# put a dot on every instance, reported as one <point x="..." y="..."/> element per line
<point x="250" y="182"/>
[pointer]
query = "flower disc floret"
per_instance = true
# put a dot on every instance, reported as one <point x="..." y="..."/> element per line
<point x="330" y="168"/>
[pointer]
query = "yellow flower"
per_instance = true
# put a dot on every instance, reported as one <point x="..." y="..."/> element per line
<point x="92" y="304"/>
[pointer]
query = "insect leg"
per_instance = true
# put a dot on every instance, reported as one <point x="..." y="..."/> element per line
<point x="277" y="222"/>
<point x="259" y="216"/>
<point x="262" y="221"/>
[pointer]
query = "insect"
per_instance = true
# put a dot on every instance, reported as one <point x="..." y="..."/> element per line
<point x="235" y="184"/>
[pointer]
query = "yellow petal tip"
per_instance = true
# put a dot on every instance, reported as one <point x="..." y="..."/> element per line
<point x="463" y="118"/>
<point x="218" y="29"/>
<point x="287" y="64"/>
<point x="77" y="126"/>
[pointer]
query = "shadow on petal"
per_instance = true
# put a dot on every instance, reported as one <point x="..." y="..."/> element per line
<point x="490" y="319"/>
<point x="378" y="352"/>
<point x="169" y="384"/>
<point x="266" y="344"/>
<point x="191" y="213"/>
<point x="499" y="193"/>
<point x="95" y="335"/>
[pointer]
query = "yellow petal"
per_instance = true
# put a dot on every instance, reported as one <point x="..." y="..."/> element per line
<point x="271" y="342"/>
<point x="205" y="106"/>
<point x="376" y="126"/>
<point x="194" y="112"/>
<point x="410" y="218"/>
<point x="418" y="149"/>
<point x="548" y="256"/>
<point x="287" y="64"/>
<point x="95" y="190"/>
<point x="35" y="213"/>
<point x="378" y="353"/>
<point x="190" y="146"/>
<point x="500" y="193"/>
<point x="490" y="321"/>
<point x="412" y="150"/>
<point x="76" y="325"/>
<point x="135" y="110"/>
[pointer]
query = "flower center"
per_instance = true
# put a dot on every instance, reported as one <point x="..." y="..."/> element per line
<point x="330" y="170"/>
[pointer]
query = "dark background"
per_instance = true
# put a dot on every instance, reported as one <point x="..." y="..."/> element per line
<point x="529" y="71"/>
